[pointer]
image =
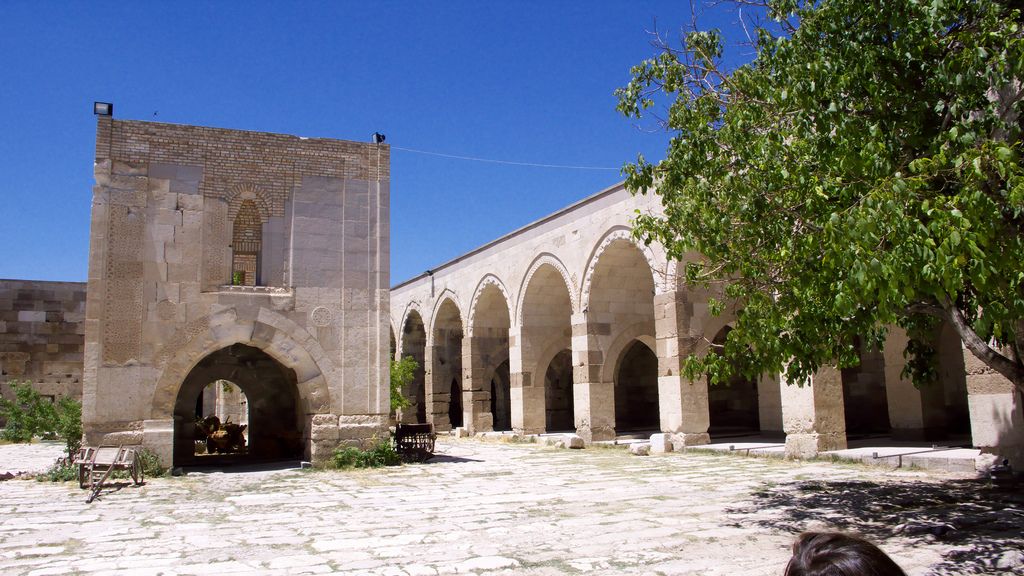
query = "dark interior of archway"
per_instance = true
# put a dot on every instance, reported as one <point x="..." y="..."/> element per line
<point x="275" y="432"/>
<point x="501" y="401"/>
<point x="864" y="397"/>
<point x="558" y="416"/>
<point x="455" y="406"/>
<point x="636" y="390"/>
<point x="733" y="405"/>
<point x="414" y="342"/>
<point x="948" y="414"/>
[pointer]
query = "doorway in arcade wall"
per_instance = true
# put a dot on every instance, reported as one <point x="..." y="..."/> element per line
<point x="636" y="390"/>
<point x="272" y="410"/>
<point x="733" y="405"/>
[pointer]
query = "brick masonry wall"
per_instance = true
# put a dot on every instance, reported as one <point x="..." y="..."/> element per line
<point x="276" y="161"/>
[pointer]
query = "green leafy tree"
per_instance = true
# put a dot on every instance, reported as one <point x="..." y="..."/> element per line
<point x="30" y="414"/>
<point x="402" y="373"/>
<point x="68" y="426"/>
<point x="862" y="171"/>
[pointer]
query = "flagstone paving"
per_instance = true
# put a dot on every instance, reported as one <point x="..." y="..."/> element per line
<point x="495" y="508"/>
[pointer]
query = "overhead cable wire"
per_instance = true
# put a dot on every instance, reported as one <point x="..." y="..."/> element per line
<point x="509" y="162"/>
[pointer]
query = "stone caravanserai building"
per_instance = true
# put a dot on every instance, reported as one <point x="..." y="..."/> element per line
<point x="570" y="325"/>
<point x="261" y="260"/>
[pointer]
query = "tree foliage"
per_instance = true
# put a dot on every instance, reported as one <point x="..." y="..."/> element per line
<point x="862" y="171"/>
<point x="402" y="373"/>
<point x="31" y="414"/>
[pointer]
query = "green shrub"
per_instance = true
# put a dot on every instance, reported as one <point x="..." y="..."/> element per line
<point x="151" y="465"/>
<point x="402" y="373"/>
<point x="345" y="457"/>
<point x="60" y="471"/>
<point x="382" y="454"/>
<point x="69" y="425"/>
<point x="31" y="414"/>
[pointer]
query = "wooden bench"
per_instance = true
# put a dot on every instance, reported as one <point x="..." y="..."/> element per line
<point x="415" y="442"/>
<point x="96" y="464"/>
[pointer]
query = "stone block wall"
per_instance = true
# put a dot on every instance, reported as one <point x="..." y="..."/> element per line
<point x="168" y="207"/>
<point x="42" y="336"/>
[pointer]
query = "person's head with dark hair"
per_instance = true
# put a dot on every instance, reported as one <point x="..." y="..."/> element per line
<point x="837" y="554"/>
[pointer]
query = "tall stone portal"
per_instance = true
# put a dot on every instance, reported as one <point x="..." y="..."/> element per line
<point x="231" y="247"/>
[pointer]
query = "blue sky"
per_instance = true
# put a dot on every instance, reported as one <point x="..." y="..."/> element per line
<point x="516" y="81"/>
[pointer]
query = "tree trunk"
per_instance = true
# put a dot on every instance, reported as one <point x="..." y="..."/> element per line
<point x="1012" y="369"/>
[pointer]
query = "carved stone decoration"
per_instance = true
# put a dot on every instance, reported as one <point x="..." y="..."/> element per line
<point x="123" y="295"/>
<point x="166" y="310"/>
<point x="321" y="316"/>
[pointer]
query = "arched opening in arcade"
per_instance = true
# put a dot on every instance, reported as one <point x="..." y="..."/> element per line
<point x="489" y="354"/>
<point x="446" y="367"/>
<point x="934" y="410"/>
<point x="865" y="401"/>
<point x="414" y="344"/>
<point x="620" y="313"/>
<point x="558" y="400"/>
<point x="954" y="419"/>
<point x="733" y="406"/>
<point x="546" y="339"/>
<point x="636" y="390"/>
<point x="501" y="400"/>
<point x="273" y="426"/>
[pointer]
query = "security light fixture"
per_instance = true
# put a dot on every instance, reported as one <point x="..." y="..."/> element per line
<point x="378" y="138"/>
<point x="103" y="108"/>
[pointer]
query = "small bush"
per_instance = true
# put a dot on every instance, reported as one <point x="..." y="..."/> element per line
<point x="31" y="414"/>
<point x="346" y="457"/>
<point x="382" y="454"/>
<point x="60" y="471"/>
<point x="69" y="425"/>
<point x="151" y="465"/>
<point x="28" y="415"/>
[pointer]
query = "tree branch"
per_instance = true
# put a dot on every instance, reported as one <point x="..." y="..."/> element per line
<point x="1013" y="371"/>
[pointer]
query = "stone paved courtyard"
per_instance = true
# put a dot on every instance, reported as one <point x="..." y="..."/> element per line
<point x="491" y="508"/>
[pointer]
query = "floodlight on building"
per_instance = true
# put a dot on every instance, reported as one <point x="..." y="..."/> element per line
<point x="103" y="108"/>
<point x="378" y="138"/>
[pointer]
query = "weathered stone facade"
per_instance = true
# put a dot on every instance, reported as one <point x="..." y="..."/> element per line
<point x="568" y="324"/>
<point x="261" y="259"/>
<point x="42" y="336"/>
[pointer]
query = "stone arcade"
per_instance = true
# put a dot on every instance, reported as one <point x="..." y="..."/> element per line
<point x="569" y="325"/>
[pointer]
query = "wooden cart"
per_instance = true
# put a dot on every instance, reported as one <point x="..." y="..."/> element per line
<point x="95" y="465"/>
<point x="415" y="442"/>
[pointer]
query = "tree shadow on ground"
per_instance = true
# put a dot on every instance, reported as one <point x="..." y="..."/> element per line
<point x="981" y="524"/>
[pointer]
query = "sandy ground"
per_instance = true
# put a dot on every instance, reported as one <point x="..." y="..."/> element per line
<point x="494" y="508"/>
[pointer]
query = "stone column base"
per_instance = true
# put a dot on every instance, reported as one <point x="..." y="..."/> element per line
<point x="158" y="436"/>
<point x="808" y="445"/>
<point x="591" y="434"/>
<point x="481" y="422"/>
